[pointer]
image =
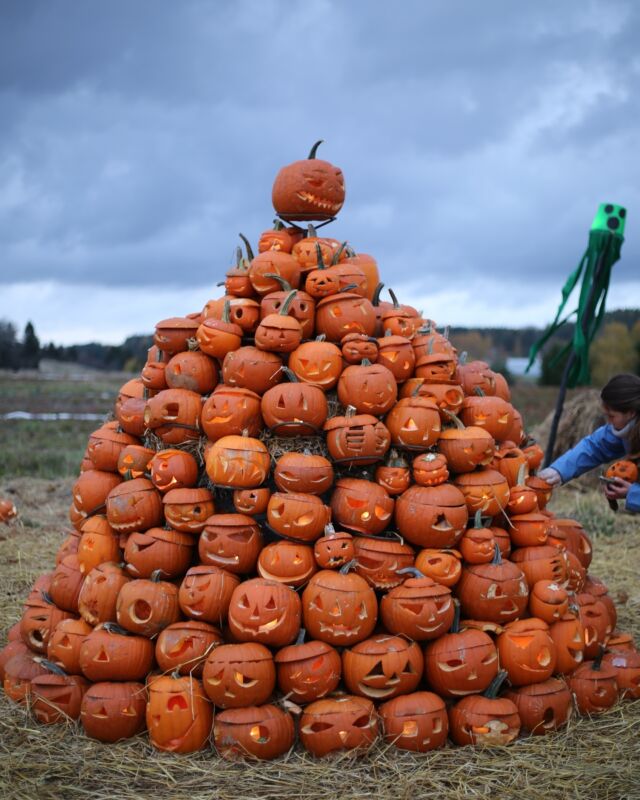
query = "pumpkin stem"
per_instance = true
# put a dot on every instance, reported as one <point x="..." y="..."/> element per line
<point x="348" y="287"/>
<point x="336" y="256"/>
<point x="284" y="310"/>
<point x="413" y="571"/>
<point x="156" y="575"/>
<point x="477" y="390"/>
<point x="55" y="668"/>
<point x="365" y="362"/>
<point x="375" y="300"/>
<point x="477" y="520"/>
<point x="416" y="391"/>
<point x="329" y="529"/>
<point x="315" y="147"/>
<point x="311" y="232"/>
<point x="497" y="554"/>
<point x="522" y="474"/>
<point x="387" y="333"/>
<point x="462" y="360"/>
<point x="226" y="311"/>
<point x="430" y="345"/>
<point x="250" y="255"/>
<point x="455" y="625"/>
<point x="351" y="253"/>
<point x="301" y="635"/>
<point x="494" y="687"/>
<point x="454" y="418"/>
<point x="346" y="569"/>
<point x="321" y="264"/>
<point x="291" y="375"/>
<point x="350" y="412"/>
<point x="597" y="661"/>
<point x="278" y="225"/>
<point x="286" y="286"/>
<point x="113" y="627"/>
<point x="392" y="294"/>
<point x="321" y="338"/>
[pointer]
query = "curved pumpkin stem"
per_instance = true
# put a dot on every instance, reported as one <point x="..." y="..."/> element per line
<point x="290" y="374"/>
<point x="497" y="554"/>
<point x="494" y="687"/>
<point x="315" y="147"/>
<point x="55" y="668"/>
<point x="462" y="359"/>
<point x="284" y="309"/>
<point x="477" y="520"/>
<point x="113" y="627"/>
<point x="250" y="255"/>
<point x="454" y="418"/>
<point x="226" y="311"/>
<point x="336" y="256"/>
<point x="413" y="571"/>
<point x="278" y="225"/>
<point x="375" y="300"/>
<point x="392" y="294"/>
<point x="320" y="260"/>
<point x="286" y="286"/>
<point x="346" y="569"/>
<point x="348" y="287"/>
<point x="478" y="390"/>
<point x="455" y="625"/>
<point x="156" y="575"/>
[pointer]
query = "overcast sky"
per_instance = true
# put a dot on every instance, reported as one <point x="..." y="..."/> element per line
<point x="138" y="137"/>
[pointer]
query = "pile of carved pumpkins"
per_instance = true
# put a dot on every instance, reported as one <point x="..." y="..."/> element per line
<point x="311" y="518"/>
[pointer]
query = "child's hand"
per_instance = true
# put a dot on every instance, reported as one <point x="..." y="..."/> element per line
<point x="551" y="476"/>
<point x="617" y="490"/>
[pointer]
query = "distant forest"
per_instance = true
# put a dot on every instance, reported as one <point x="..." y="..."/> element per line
<point x="617" y="348"/>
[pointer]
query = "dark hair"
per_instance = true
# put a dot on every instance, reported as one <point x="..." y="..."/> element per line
<point x="622" y="393"/>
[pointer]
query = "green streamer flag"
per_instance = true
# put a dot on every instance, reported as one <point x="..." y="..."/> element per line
<point x="605" y="241"/>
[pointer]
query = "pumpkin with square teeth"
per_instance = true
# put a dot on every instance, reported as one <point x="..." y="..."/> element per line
<point x="494" y="592"/>
<point x="432" y="516"/>
<point x="382" y="667"/>
<point x="230" y="541"/>
<point x="179" y="715"/>
<point x="111" y="711"/>
<point x="527" y="651"/>
<point x="264" y="611"/>
<point x="417" y="722"/>
<point x="205" y="593"/>
<point x="334" y="724"/>
<point x="308" y="671"/>
<point x="361" y="506"/>
<point x="356" y="439"/>
<point x="419" y="608"/>
<point x="237" y="675"/>
<point x="184" y="646"/>
<point x="134" y="505"/>
<point x="334" y="549"/>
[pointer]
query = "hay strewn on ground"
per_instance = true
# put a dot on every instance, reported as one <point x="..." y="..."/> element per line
<point x="595" y="758"/>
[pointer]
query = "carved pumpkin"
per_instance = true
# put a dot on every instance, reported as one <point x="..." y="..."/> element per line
<point x="172" y="335"/>
<point x="593" y="684"/>
<point x="626" y="665"/>
<point x="430" y="469"/>
<point x="529" y="530"/>
<point x="475" y="375"/>
<point x="432" y="516"/>
<point x="370" y="388"/>
<point x="485" y="719"/>
<point x="356" y="439"/>
<point x="301" y="307"/>
<point x="66" y="583"/>
<point x="158" y="549"/>
<point x="91" y="490"/>
<point x="447" y="396"/>
<point x="98" y="543"/>
<point x="109" y="653"/>
<point x="252" y="502"/>
<point x="56" y="696"/>
<point x="19" y="672"/>
<point x="133" y="461"/>
<point x="279" y="333"/>
<point x="466" y="448"/>
<point x="239" y="462"/>
<point x="279" y="238"/>
<point x="595" y="621"/>
<point x="443" y="566"/>
<point x="146" y="606"/>
<point x="263" y="732"/>
<point x="308" y="671"/>
<point x="134" y="505"/>
<point x="542" y="707"/>
<point x="334" y="549"/>
<point x="205" y="593"/>
<point x="417" y="722"/>
<point x="485" y="490"/>
<point x="495" y="592"/>
<point x="340" y="723"/>
<point x="174" y="415"/>
<point x="216" y="337"/>
<point x="173" y="469"/>
<point x="287" y="562"/>
<point x="378" y="560"/>
<point x="625" y="469"/>
<point x="361" y="505"/>
<point x="382" y="667"/>
<point x="394" y="475"/>
<point x="113" y="711"/>
<point x="420" y="608"/>
<point x="477" y="544"/>
<point x="541" y="563"/>
<point x="187" y="510"/>
<point x="231" y="542"/>
<point x="511" y="462"/>
<point x="414" y="423"/>
<point x="357" y="346"/>
<point x="294" y="408"/>
<point x="344" y="313"/>
<point x="99" y="592"/>
<point x="297" y="516"/>
<point x="179" y="715"/>
<point x="568" y="636"/>
<point x="264" y="611"/>
<point x="548" y="601"/>
<point x="303" y="472"/>
<point x="230" y="411"/>
<point x="276" y="263"/>
<point x="64" y="644"/>
<point x="252" y="369"/>
<point x="527" y="651"/>
<point x="184" y="646"/>
<point x="317" y="362"/>
<point x="237" y="675"/>
<point x="106" y="444"/>
<point x="493" y="414"/>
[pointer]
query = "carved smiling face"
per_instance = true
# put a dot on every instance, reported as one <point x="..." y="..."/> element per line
<point x="205" y="593"/>
<point x="113" y="711"/>
<point x="294" y="409"/>
<point x="371" y="389"/>
<point x="308" y="671"/>
<point x="414" y="423"/>
<point x="339" y="609"/>
<point x="493" y="592"/>
<point x="238" y="462"/>
<point x="458" y="664"/>
<point x="308" y="189"/>
<point x="230" y="411"/>
<point x="378" y="561"/>
<point x="230" y="541"/>
<point x="133" y="461"/>
<point x="443" y="566"/>
<point x="317" y="362"/>
<point x="466" y="449"/>
<point x="344" y="313"/>
<point x="173" y="469"/>
<point x="527" y="651"/>
<point x="420" y="609"/>
<point x="134" y="506"/>
<point x="187" y="510"/>
<point x="432" y="516"/>
<point x="238" y="675"/>
<point x="264" y="611"/>
<point x="287" y="562"/>
<point x="382" y="667"/>
<point x="179" y="715"/>
<point x="416" y="722"/>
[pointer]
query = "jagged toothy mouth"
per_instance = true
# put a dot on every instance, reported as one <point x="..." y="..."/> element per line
<point x="314" y="200"/>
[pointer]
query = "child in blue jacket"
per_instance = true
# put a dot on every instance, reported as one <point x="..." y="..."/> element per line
<point x="619" y="438"/>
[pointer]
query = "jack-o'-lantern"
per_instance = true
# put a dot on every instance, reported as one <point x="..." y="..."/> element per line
<point x="576" y="573"/>
<point x="343" y="313"/>
<point x="350" y="276"/>
<point x="134" y="505"/>
<point x="174" y="415"/>
<point x="625" y="469"/>
<point x="447" y="396"/>
<point x="98" y="543"/>
<point x="394" y="475"/>
<point x="173" y="469"/>
<point x="414" y="423"/>
<point x="308" y="671"/>
<point x="264" y="611"/>
<point x="568" y="636"/>
<point x="542" y="707"/>
<point x="64" y="644"/>
<point x="252" y="369"/>
<point x="400" y="320"/>
<point x="356" y="346"/>
<point x="287" y="562"/>
<point x="184" y="647"/>
<point x="522" y="498"/>
<point x="485" y="490"/>
<point x="443" y="566"/>
<point x="430" y="469"/>
<point x="145" y="606"/>
<point x="273" y="263"/>
<point x="529" y="530"/>
<point x="397" y="354"/>
<point x="378" y="560"/>
<point x="533" y="452"/>
<point x="494" y="592"/>
<point x="217" y="336"/>
<point x="370" y="388"/>
<point x="466" y="448"/>
<point x="187" y="510"/>
<point x="303" y="472"/>
<point x="527" y="651"/>
<point x="111" y="711"/>
<point x="15" y="647"/>
<point x="436" y="368"/>
<point x="301" y="306"/>
<point x="321" y="281"/>
<point x="511" y="462"/>
<point x="417" y="722"/>
<point x="318" y="362"/>
<point x="133" y="461"/>
<point x="279" y="238"/>
<point x="297" y="516"/>
<point x="153" y="374"/>
<point x="598" y="589"/>
<point x="428" y="341"/>
<point x="593" y="684"/>
<point x="192" y="370"/>
<point x="541" y="562"/>
<point x="8" y="511"/>
<point x="110" y="653"/>
<point x="97" y="599"/>
<point x="252" y="502"/>
<point x="263" y="732"/>
<point x="172" y="335"/>
<point x="339" y="608"/>
<point x="106" y="444"/>
<point x="462" y="662"/>
<point x="493" y="414"/>
<point x="237" y="675"/>
<point x="432" y="516"/>
<point x="238" y="462"/>
<point x="486" y="719"/>
<point x="334" y="549"/>
<point x="626" y="665"/>
<point x="595" y="622"/>
<point x="179" y="715"/>
<point x="356" y="439"/>
<point x="66" y="583"/>
<point x="548" y="601"/>
<point x="331" y="251"/>
<point x="420" y="608"/>
<point x="338" y="723"/>
<point x="542" y="489"/>
<point x="237" y="281"/>
<point x="205" y="593"/>
<point x="361" y="505"/>
<point x="474" y="375"/>
<point x="577" y="540"/>
<point x="382" y="667"/>
<point x="91" y="490"/>
<point x="56" y="696"/>
<point x="308" y="189"/>
<point x="477" y="544"/>
<point x="369" y="267"/>
<point x="19" y="671"/>
<point x="294" y="408"/>
<point x="230" y="411"/>
<point x="70" y="545"/>
<point x="279" y="332"/>
<point x="231" y="542"/>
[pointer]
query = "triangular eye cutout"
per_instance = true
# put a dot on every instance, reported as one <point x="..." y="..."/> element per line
<point x="375" y="670"/>
<point x="408" y="669"/>
<point x="317" y="603"/>
<point x="244" y="601"/>
<point x="271" y="603"/>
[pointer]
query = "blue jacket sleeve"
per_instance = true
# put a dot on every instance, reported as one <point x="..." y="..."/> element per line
<point x="633" y="498"/>
<point x="597" y="448"/>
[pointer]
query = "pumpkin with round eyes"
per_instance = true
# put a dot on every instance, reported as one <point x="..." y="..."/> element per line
<point x="133" y="461"/>
<point x="420" y="608"/>
<point x="56" y="696"/>
<point x="113" y="711"/>
<point x="308" y="189"/>
<point x="172" y="335"/>
<point x="430" y="469"/>
<point x="134" y="505"/>
<point x="339" y="608"/>
<point x="110" y="653"/>
<point x="238" y="462"/>
<point x="511" y="462"/>
<point x="303" y="472"/>
<point x="334" y="549"/>
<point x="493" y="414"/>
<point x="98" y="543"/>
<point x="356" y="439"/>
<point x="230" y="411"/>
<point x="251" y="501"/>
<point x="91" y="489"/>
<point x="485" y="719"/>
<point x="187" y="510"/>
<point x="595" y="622"/>
<point x="626" y="664"/>
<point x="526" y="651"/>
<point x="443" y="566"/>
<point x="145" y="607"/>
<point x="66" y="583"/>
<point x="39" y="620"/>
<point x="382" y="667"/>
<point x="343" y="313"/>
<point x="394" y="475"/>
<point x="270" y="263"/>
<point x="287" y="562"/>
<point x="462" y="662"/>
<point x="232" y="542"/>
<point x="105" y="445"/>
<point x="263" y="732"/>
<point x="625" y="469"/>
<point x="568" y="636"/>
<point x="378" y="560"/>
<point x="64" y="644"/>
<point x="308" y="670"/>
<point x="297" y="516"/>
<point x="279" y="238"/>
<point x="447" y="396"/>
<point x="541" y="562"/>
<point x="542" y="707"/>
<point x="184" y="646"/>
<point x="339" y="723"/>
<point x="432" y="516"/>
<point x="417" y="722"/>
<point x="205" y="593"/>
<point x="356" y="346"/>
<point x="466" y="448"/>
<point x="99" y="592"/>
<point x="485" y="490"/>
<point x="414" y="423"/>
<point x="294" y="408"/>
<point x="593" y="685"/>
<point x="548" y="601"/>
<point x="192" y="370"/>
<point x="301" y="308"/>
<point x="317" y="362"/>
<point x="252" y="369"/>
<point x="361" y="505"/>
<point x="264" y="611"/>
<point x="494" y="592"/>
<point x="370" y="388"/>
<point x="238" y="675"/>
<point x="173" y="469"/>
<point x="179" y="715"/>
<point x="174" y="415"/>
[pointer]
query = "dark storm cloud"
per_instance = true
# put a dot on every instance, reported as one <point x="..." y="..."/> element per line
<point x="137" y="139"/>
